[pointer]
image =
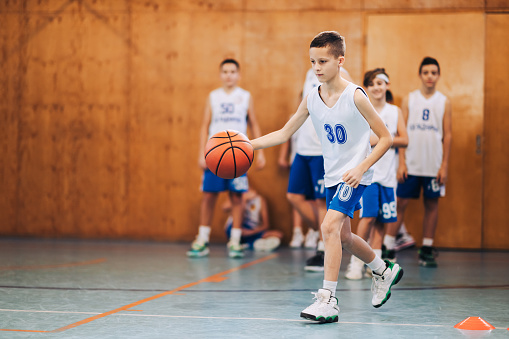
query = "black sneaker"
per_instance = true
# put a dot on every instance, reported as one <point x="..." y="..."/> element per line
<point x="388" y="254"/>
<point x="427" y="256"/>
<point x="315" y="263"/>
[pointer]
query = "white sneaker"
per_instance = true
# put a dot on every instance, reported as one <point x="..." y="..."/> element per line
<point x="235" y="250"/>
<point x="404" y="240"/>
<point x="297" y="240"/>
<point x="382" y="284"/>
<point x="355" y="269"/>
<point x="312" y="238"/>
<point x="268" y="244"/>
<point x="324" y="310"/>
<point x="199" y="248"/>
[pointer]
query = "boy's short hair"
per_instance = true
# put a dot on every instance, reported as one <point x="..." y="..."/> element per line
<point x="331" y="39"/>
<point x="429" y="61"/>
<point x="230" y="61"/>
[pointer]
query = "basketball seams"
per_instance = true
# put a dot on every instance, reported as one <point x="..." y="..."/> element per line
<point x="229" y="165"/>
<point x="233" y="154"/>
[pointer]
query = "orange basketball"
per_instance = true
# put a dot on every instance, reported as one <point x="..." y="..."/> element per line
<point x="229" y="154"/>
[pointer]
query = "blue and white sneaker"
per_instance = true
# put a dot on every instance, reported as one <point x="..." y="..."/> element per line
<point x="325" y="309"/>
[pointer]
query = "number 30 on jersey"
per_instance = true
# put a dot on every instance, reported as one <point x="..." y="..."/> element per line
<point x="336" y="134"/>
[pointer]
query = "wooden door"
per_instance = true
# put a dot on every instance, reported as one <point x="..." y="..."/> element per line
<point x="399" y="43"/>
<point x="496" y="138"/>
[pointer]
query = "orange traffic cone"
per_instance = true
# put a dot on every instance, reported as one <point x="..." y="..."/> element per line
<point x="474" y="323"/>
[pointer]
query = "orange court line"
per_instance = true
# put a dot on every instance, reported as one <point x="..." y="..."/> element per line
<point x="218" y="277"/>
<point x="40" y="267"/>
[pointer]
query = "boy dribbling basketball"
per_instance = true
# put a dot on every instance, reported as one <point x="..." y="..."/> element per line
<point x="228" y="107"/>
<point x="342" y="116"/>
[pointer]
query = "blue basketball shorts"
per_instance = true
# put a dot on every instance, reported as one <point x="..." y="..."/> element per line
<point x="344" y="198"/>
<point x="306" y="176"/>
<point x="379" y="202"/>
<point x="214" y="184"/>
<point x="411" y="188"/>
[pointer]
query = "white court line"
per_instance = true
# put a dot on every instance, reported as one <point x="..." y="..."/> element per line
<point x="231" y="318"/>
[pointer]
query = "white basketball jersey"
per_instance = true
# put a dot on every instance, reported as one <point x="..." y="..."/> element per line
<point x="252" y="213"/>
<point x="385" y="168"/>
<point x="343" y="132"/>
<point x="425" y="133"/>
<point x="307" y="142"/>
<point x="229" y="110"/>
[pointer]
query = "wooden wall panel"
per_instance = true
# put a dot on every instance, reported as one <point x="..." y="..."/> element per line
<point x="496" y="138"/>
<point x="419" y="5"/>
<point x="72" y="144"/>
<point x="171" y="81"/>
<point x="497" y="5"/>
<point x="302" y="5"/>
<point x="398" y="43"/>
<point x="10" y="97"/>
<point x="101" y="102"/>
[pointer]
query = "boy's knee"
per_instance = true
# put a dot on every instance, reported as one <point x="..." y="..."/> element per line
<point x="328" y="228"/>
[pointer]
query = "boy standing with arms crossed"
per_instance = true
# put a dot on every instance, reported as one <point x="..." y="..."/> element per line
<point x="342" y="116"/>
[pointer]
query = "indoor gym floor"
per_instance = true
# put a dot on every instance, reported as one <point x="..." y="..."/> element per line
<point x="101" y="289"/>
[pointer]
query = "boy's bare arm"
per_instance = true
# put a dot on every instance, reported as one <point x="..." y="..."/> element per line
<point x="446" y="144"/>
<point x="401" y="138"/>
<point x="280" y="136"/>
<point x="204" y="131"/>
<point x="256" y="132"/>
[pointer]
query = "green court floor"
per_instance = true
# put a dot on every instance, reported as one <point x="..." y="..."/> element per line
<point x="100" y="289"/>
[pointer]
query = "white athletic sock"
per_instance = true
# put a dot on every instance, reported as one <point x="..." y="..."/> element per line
<point x="378" y="253"/>
<point x="427" y="242"/>
<point x="235" y="235"/>
<point x="321" y="246"/>
<point x="331" y="286"/>
<point x="377" y="265"/>
<point x="297" y="230"/>
<point x="204" y="233"/>
<point x="389" y="242"/>
<point x="403" y="229"/>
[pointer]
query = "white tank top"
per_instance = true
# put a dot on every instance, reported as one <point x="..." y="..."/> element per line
<point x="425" y="133"/>
<point x="307" y="142"/>
<point x="385" y="168"/>
<point x="229" y="110"/>
<point x="343" y="132"/>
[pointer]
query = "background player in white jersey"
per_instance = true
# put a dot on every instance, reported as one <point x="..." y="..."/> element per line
<point x="306" y="191"/>
<point x="425" y="162"/>
<point x="228" y="107"/>
<point x="342" y="116"/>
<point x="378" y="200"/>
